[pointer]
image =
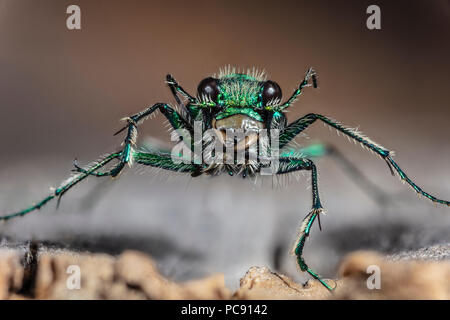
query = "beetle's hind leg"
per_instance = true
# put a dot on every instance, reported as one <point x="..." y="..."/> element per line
<point x="295" y="164"/>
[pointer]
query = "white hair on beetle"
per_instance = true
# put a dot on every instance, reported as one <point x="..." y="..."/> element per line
<point x="255" y="73"/>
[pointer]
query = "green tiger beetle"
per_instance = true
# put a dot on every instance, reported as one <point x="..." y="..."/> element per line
<point x="233" y="100"/>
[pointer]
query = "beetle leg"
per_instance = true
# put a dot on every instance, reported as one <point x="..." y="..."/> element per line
<point x="295" y="164"/>
<point x="175" y="120"/>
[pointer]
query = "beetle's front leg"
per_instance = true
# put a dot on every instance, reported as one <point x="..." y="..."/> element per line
<point x="303" y="234"/>
<point x="298" y="126"/>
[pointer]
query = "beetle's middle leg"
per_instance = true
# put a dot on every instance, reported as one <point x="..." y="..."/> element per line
<point x="176" y="89"/>
<point x="174" y="118"/>
<point x="290" y="164"/>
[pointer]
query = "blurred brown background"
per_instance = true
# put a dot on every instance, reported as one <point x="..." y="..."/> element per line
<point x="62" y="93"/>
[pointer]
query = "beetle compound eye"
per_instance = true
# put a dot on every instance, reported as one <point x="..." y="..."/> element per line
<point x="208" y="87"/>
<point x="271" y="91"/>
